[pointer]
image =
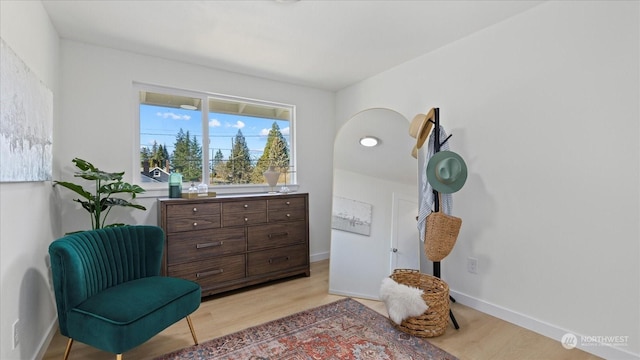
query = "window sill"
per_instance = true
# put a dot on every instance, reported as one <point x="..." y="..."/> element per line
<point x="226" y="190"/>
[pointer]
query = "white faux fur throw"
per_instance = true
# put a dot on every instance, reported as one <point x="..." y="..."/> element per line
<point x="401" y="301"/>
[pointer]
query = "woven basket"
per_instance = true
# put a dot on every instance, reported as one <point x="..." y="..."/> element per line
<point x="441" y="235"/>
<point x="435" y="320"/>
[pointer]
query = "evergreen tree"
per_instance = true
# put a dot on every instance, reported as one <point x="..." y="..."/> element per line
<point x="279" y="153"/>
<point x="239" y="165"/>
<point x="187" y="156"/>
<point x="145" y="155"/>
<point x="157" y="157"/>
<point x="195" y="159"/>
<point x="164" y="155"/>
<point x="276" y="153"/>
<point x="218" y="167"/>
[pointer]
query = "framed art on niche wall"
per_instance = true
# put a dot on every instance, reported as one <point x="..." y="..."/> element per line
<point x="351" y="215"/>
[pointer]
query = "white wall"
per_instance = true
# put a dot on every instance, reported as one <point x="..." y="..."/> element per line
<point x="98" y="118"/>
<point x="27" y="223"/>
<point x="544" y="109"/>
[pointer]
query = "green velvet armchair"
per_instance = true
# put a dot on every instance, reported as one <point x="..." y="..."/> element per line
<point x="109" y="292"/>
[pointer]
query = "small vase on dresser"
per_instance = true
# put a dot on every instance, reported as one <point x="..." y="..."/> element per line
<point x="272" y="175"/>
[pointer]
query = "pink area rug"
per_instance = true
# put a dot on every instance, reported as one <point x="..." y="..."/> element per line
<point x="345" y="330"/>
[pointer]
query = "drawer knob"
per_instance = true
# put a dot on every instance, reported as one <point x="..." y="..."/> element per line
<point x="288" y="215"/>
<point x="246" y="219"/>
<point x="288" y="203"/>
<point x="246" y="206"/>
<point x="195" y="224"/>
<point x="195" y="209"/>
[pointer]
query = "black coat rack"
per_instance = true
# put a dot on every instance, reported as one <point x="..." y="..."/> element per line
<point x="436" y="202"/>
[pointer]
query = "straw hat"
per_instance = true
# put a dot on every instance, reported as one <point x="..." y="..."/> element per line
<point x="446" y="172"/>
<point x="414" y="151"/>
<point x="420" y="128"/>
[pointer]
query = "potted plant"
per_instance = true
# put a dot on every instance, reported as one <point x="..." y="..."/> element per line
<point x="102" y="200"/>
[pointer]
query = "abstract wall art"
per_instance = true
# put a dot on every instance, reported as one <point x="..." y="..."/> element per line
<point x="26" y="121"/>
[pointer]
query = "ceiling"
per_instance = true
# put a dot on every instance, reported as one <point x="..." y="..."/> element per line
<point x="323" y="44"/>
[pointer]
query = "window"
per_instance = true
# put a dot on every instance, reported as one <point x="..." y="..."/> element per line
<point x="227" y="141"/>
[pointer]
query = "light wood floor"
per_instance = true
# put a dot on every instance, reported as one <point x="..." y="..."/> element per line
<point x="480" y="336"/>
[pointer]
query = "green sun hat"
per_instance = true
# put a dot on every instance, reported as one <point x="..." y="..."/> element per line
<point x="446" y="172"/>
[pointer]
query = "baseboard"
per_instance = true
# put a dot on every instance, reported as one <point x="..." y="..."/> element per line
<point x="319" y="256"/>
<point x="543" y="328"/>
<point x="352" y="294"/>
<point x="46" y="341"/>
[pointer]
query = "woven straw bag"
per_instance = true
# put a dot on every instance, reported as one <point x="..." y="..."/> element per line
<point x="440" y="235"/>
<point x="434" y="321"/>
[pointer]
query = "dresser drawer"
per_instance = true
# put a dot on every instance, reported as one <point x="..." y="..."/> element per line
<point x="276" y="235"/>
<point x="287" y="214"/>
<point x="244" y="206"/>
<point x="209" y="273"/>
<point x="268" y="261"/>
<point x="197" y="245"/>
<point x="193" y="209"/>
<point x="286" y="203"/>
<point x="246" y="218"/>
<point x="193" y="223"/>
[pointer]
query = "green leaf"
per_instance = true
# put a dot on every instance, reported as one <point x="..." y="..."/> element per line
<point x="99" y="175"/>
<point x="121" y="202"/>
<point x="84" y="165"/>
<point x="89" y="206"/>
<point x="75" y="188"/>
<point x="90" y="172"/>
<point x="121" y="187"/>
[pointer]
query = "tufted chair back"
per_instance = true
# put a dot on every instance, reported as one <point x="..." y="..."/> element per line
<point x="86" y="263"/>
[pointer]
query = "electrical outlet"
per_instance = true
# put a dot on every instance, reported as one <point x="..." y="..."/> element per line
<point x="16" y="332"/>
<point x="472" y="265"/>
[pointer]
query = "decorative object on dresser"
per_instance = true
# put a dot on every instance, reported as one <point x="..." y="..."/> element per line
<point x="230" y="242"/>
<point x="272" y="175"/>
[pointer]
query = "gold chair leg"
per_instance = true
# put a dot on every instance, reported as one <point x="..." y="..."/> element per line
<point x="193" y="332"/>
<point x="68" y="349"/>
<point x="118" y="356"/>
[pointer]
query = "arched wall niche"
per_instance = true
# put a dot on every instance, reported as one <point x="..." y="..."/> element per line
<point x="371" y="176"/>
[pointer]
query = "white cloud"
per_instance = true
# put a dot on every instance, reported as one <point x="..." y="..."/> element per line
<point x="265" y="132"/>
<point x="173" y="116"/>
<point x="214" y="123"/>
<point x="239" y="125"/>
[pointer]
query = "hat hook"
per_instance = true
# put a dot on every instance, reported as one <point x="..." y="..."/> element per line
<point x="436" y="123"/>
<point x="445" y="140"/>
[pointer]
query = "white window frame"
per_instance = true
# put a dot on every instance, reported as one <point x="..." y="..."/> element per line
<point x="161" y="189"/>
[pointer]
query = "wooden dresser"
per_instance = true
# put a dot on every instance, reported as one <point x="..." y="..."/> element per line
<point x="229" y="242"/>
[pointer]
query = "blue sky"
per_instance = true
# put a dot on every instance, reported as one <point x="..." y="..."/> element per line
<point x="162" y="124"/>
